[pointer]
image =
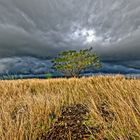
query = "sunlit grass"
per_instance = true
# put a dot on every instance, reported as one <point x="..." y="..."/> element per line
<point x="26" y="105"/>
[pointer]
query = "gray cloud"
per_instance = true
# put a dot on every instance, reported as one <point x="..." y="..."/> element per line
<point x="43" y="28"/>
<point x="30" y="65"/>
<point x="34" y="66"/>
<point x="24" y="65"/>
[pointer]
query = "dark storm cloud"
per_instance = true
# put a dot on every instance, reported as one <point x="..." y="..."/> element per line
<point x="30" y="65"/>
<point x="42" y="28"/>
<point x="24" y="65"/>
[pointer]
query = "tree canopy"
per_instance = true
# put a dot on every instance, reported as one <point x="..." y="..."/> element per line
<point x="72" y="62"/>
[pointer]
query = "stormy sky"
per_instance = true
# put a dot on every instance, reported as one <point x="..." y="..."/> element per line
<point x="31" y="31"/>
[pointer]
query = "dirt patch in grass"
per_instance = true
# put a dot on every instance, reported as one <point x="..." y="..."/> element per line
<point x="71" y="125"/>
<point x="105" y="111"/>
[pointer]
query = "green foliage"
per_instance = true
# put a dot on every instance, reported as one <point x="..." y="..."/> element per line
<point x="72" y="62"/>
<point x="48" y="75"/>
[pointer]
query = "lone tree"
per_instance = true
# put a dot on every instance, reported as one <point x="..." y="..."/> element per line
<point x="72" y="63"/>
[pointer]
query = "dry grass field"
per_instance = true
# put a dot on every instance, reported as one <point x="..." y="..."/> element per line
<point x="100" y="108"/>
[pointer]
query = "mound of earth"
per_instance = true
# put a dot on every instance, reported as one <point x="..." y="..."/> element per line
<point x="70" y="125"/>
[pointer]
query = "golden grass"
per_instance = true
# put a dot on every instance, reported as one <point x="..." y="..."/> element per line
<point x="25" y="105"/>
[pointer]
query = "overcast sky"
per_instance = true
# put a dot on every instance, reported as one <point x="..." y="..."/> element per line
<point x="32" y="30"/>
